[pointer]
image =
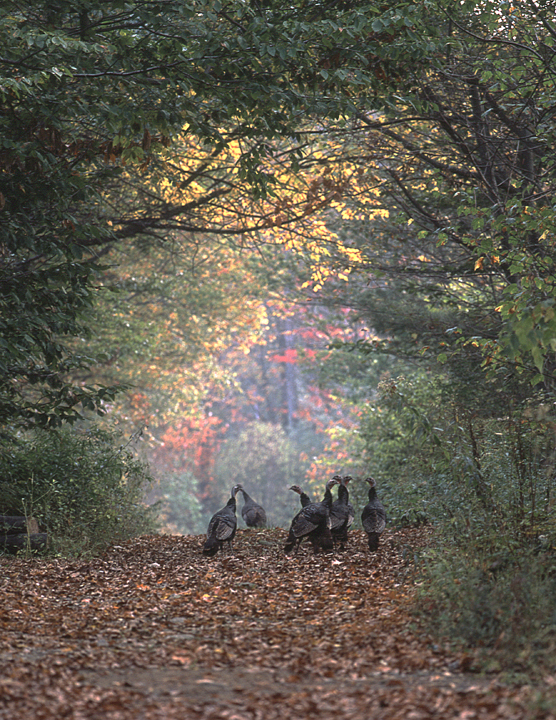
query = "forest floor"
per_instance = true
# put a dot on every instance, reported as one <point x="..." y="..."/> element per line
<point x="153" y="630"/>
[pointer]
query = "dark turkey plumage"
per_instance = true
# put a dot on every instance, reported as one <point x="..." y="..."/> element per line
<point x="313" y="522"/>
<point x="344" y="490"/>
<point x="253" y="514"/>
<point x="222" y="526"/>
<point x="373" y="516"/>
<point x="341" y="513"/>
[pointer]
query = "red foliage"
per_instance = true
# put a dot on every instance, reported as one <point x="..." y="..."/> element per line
<point x="192" y="444"/>
<point x="288" y="356"/>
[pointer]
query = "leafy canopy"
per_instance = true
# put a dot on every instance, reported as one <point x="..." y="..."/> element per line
<point x="91" y="98"/>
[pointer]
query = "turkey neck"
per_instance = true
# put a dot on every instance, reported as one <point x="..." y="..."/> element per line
<point x="232" y="501"/>
<point x="343" y="494"/>
<point x="327" y="499"/>
<point x="304" y="499"/>
<point x="372" y="493"/>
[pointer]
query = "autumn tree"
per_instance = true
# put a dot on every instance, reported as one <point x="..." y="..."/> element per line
<point x="451" y="210"/>
<point x="131" y="121"/>
<point x="274" y="378"/>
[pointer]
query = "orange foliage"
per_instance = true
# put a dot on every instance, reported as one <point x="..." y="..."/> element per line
<point x="192" y="444"/>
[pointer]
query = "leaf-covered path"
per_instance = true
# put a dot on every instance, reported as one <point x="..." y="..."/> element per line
<point x="155" y="630"/>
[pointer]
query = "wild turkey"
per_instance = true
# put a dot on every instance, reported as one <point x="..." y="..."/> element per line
<point x="253" y="514"/>
<point x="304" y="499"/>
<point x="313" y="522"/>
<point x="341" y="512"/>
<point x="222" y="526"/>
<point x="373" y="516"/>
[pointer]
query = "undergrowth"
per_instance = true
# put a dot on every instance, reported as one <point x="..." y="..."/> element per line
<point x="487" y="483"/>
<point x="84" y="486"/>
<point x="491" y="580"/>
<point x="498" y="609"/>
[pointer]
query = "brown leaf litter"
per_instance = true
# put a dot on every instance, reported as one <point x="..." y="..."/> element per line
<point x="153" y="630"/>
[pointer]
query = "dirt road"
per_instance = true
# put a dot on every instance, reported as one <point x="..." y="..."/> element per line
<point x="153" y="629"/>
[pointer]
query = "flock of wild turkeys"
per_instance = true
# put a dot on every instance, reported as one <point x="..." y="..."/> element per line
<point x="325" y="524"/>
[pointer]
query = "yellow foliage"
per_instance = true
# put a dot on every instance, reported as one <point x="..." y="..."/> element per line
<point x="205" y="188"/>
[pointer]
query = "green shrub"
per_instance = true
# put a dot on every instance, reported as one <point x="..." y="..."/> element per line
<point x="501" y="607"/>
<point x="180" y="509"/>
<point x="84" y="486"/>
<point x="486" y="481"/>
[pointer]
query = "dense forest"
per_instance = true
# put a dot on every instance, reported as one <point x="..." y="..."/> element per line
<point x="257" y="243"/>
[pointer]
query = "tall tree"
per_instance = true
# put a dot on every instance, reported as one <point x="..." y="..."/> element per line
<point x="452" y="211"/>
<point x="95" y="97"/>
